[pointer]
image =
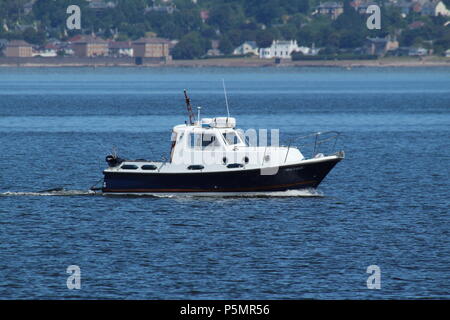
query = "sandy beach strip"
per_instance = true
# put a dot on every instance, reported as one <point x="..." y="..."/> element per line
<point x="233" y="63"/>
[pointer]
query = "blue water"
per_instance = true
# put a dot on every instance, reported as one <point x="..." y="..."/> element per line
<point x="386" y="204"/>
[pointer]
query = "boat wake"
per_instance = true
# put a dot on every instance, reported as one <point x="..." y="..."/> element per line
<point x="304" y="193"/>
<point x="52" y="192"/>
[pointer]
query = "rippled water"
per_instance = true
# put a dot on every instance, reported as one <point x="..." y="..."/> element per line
<point x="385" y="204"/>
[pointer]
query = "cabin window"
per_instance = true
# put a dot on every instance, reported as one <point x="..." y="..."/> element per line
<point x="231" y="138"/>
<point x="129" y="167"/>
<point x="209" y="141"/>
<point x="203" y="141"/>
<point x="235" y="165"/>
<point x="194" y="140"/>
<point x="172" y="145"/>
<point x="196" y="167"/>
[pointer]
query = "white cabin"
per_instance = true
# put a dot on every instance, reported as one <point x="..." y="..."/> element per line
<point x="214" y="143"/>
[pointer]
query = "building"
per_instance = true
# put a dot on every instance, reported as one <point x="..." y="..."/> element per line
<point x="361" y="7"/>
<point x="18" y="49"/>
<point x="120" y="49"/>
<point x="88" y="46"/>
<point x="214" y="51"/>
<point x="417" y="52"/>
<point x="50" y="50"/>
<point x="331" y="9"/>
<point x="423" y="7"/>
<point x="427" y="9"/>
<point x="100" y="5"/>
<point x="64" y="48"/>
<point x="169" y="9"/>
<point x="151" y="48"/>
<point x="441" y="10"/>
<point x="405" y="7"/>
<point x="204" y="15"/>
<point x="380" y="46"/>
<point x="281" y="49"/>
<point x="247" y="48"/>
<point x="28" y="7"/>
<point x="3" y="43"/>
<point x="416" y="25"/>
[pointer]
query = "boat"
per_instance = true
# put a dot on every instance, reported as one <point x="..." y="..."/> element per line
<point x="210" y="155"/>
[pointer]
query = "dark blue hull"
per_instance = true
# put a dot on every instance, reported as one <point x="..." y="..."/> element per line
<point x="300" y="176"/>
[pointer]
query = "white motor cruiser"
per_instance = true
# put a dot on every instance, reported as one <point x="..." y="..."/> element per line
<point x="210" y="155"/>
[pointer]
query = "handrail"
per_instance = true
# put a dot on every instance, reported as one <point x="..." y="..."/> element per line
<point x="317" y="140"/>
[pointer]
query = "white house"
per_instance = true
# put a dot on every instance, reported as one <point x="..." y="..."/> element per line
<point x="49" y="51"/>
<point x="417" y="52"/>
<point x="248" y="47"/>
<point x="279" y="49"/>
<point x="120" y="49"/>
<point x="283" y="50"/>
<point x="441" y="9"/>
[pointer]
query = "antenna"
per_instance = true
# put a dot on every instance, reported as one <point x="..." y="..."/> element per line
<point x="226" y="98"/>
<point x="189" y="108"/>
<point x="199" y="123"/>
<point x="114" y="151"/>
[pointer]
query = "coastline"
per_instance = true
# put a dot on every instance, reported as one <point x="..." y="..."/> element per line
<point x="223" y="63"/>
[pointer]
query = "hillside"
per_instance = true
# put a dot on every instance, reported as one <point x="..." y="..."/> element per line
<point x="196" y="23"/>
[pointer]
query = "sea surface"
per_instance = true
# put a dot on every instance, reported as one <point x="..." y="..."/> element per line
<point x="387" y="204"/>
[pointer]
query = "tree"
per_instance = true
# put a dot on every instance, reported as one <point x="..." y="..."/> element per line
<point x="225" y="45"/>
<point x="226" y="16"/>
<point x="34" y="37"/>
<point x="442" y="44"/>
<point x="236" y="37"/>
<point x="351" y="27"/>
<point x="266" y="12"/>
<point x="349" y="19"/>
<point x="52" y="14"/>
<point x="264" y="38"/>
<point x="11" y="10"/>
<point x="191" y="46"/>
<point x="288" y="31"/>
<point x="349" y="39"/>
<point x="295" y="6"/>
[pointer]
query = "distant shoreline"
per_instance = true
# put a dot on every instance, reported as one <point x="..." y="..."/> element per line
<point x="222" y="62"/>
<point x="385" y="62"/>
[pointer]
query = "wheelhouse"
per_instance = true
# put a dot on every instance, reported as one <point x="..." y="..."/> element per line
<point x="205" y="137"/>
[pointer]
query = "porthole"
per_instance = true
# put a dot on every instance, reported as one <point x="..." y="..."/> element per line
<point x="129" y="167"/>
<point x="148" y="167"/>
<point x="196" y="167"/>
<point x="235" y="165"/>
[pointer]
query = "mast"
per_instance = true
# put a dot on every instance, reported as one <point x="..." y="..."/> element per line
<point x="226" y="98"/>
<point x="189" y="108"/>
